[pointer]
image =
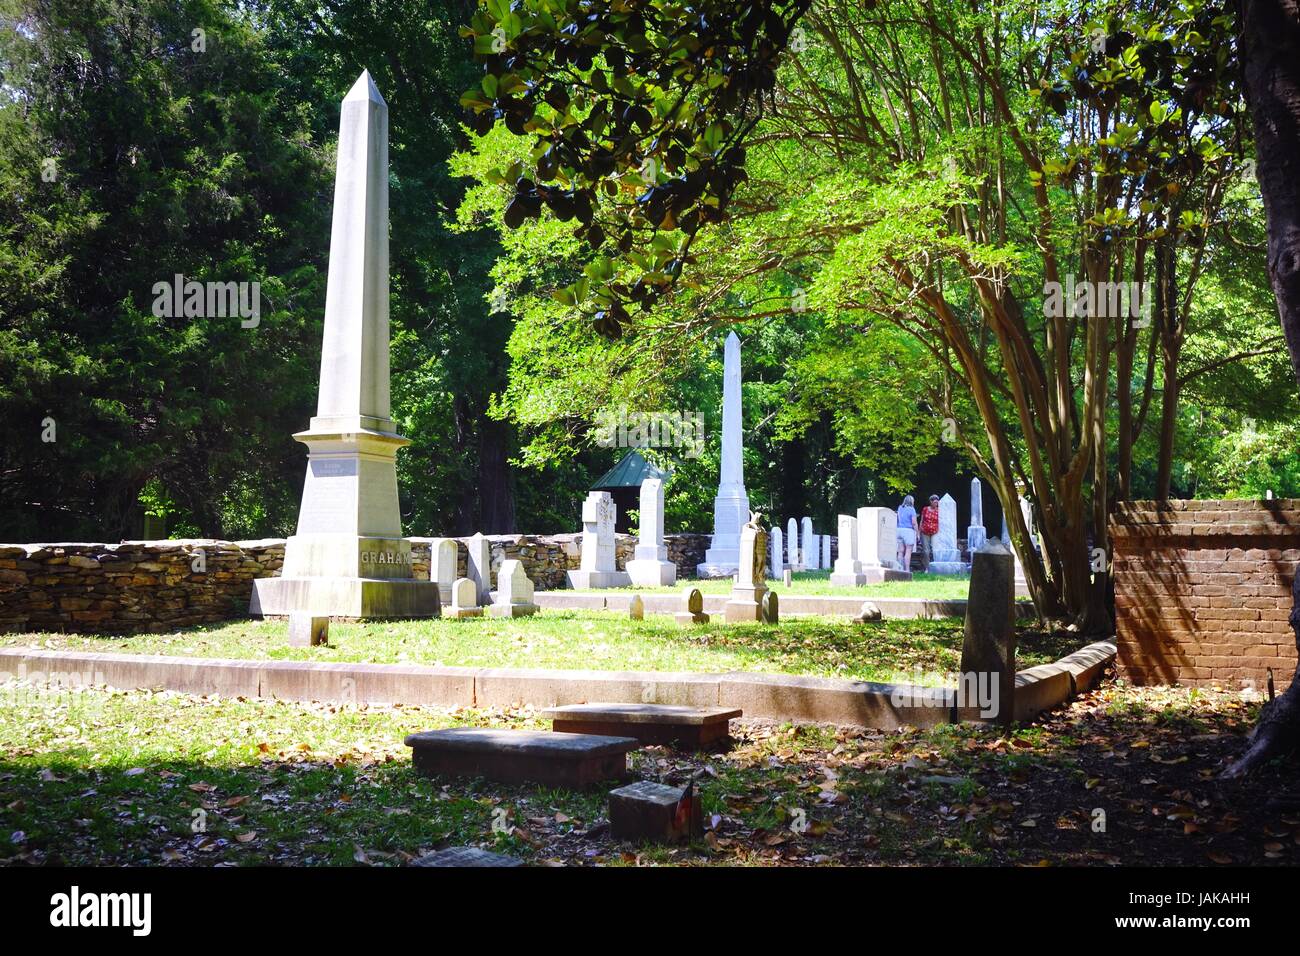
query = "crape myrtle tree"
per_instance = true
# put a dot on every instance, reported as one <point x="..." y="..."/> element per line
<point x="950" y="162"/>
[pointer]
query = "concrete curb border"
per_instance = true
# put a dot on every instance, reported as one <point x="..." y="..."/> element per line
<point x="791" y="604"/>
<point x="778" y="696"/>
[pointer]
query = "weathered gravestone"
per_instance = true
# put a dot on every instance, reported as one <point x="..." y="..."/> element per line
<point x="479" y="567"/>
<point x="793" y="555"/>
<point x="514" y="591"/>
<point x="636" y="608"/>
<point x="776" y="548"/>
<point x="988" y="653"/>
<point x="599" y="565"/>
<point x="464" y="600"/>
<point x="442" y="566"/>
<point x="747" y="593"/>
<point x="650" y="566"/>
<point x="692" y="611"/>
<point x="771" y="608"/>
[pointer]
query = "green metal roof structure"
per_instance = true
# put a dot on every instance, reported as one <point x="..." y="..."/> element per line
<point x="628" y="473"/>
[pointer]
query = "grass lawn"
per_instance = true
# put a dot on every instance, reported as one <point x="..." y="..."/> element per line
<point x="103" y="777"/>
<point x="938" y="587"/>
<point x="820" y="646"/>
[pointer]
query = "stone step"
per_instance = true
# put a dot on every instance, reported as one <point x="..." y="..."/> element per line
<point x="694" y="728"/>
<point x="574" y="761"/>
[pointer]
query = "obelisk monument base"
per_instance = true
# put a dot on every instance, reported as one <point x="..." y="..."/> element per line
<point x="332" y="572"/>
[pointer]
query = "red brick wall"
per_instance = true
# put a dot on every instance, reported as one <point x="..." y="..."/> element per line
<point x="1203" y="591"/>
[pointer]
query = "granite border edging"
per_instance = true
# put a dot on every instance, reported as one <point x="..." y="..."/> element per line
<point x="777" y="696"/>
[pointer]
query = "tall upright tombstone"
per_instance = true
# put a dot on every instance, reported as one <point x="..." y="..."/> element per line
<point x="794" y="557"/>
<point x="878" y="545"/>
<point x="731" y="504"/>
<point x="809" y="551"/>
<point x="442" y="566"/>
<point x="826" y="551"/>
<point x="598" y="568"/>
<point x="777" y="550"/>
<point x="650" y="566"/>
<point x="848" y="571"/>
<point x="976" y="535"/>
<point x="348" y="557"/>
<point x="947" y="556"/>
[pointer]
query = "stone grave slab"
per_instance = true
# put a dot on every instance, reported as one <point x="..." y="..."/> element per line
<point x="692" y="728"/>
<point x="466" y="856"/>
<point x="574" y="761"/>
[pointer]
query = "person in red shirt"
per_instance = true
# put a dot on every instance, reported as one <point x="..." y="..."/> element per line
<point x="929" y="528"/>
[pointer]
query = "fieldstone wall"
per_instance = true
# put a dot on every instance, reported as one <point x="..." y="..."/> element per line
<point x="132" y="586"/>
<point x="165" y="585"/>
<point x="1203" y="591"/>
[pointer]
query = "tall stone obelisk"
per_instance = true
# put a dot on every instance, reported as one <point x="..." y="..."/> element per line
<point x="348" y="558"/>
<point x="731" y="504"/>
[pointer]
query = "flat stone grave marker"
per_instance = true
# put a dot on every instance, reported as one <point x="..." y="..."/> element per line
<point x="654" y="811"/>
<point x="466" y="856"/>
<point x="693" y="728"/>
<point x="574" y="761"/>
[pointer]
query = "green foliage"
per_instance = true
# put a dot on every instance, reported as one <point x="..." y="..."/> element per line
<point x="166" y="161"/>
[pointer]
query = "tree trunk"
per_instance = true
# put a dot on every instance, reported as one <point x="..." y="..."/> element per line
<point x="496" y="496"/>
<point x="1270" y="53"/>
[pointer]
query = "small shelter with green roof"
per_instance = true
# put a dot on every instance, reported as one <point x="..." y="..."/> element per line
<point x="623" y="482"/>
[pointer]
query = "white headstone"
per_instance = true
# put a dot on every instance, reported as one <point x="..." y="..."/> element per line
<point x="877" y="538"/>
<point x="598" y="564"/>
<point x="731" y="504"/>
<point x="650" y="566"/>
<point x="847" y="569"/>
<point x="947" y="557"/>
<point x="808" y="545"/>
<point x="464" y="600"/>
<point x="826" y="551"/>
<point x="348" y="557"/>
<point x="514" y="591"/>
<point x="793" y="557"/>
<point x="777" y="550"/>
<point x="442" y="566"/>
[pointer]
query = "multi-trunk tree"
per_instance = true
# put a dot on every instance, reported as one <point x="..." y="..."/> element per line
<point x="954" y="173"/>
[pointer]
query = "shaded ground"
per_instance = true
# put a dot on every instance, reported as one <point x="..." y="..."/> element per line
<point x="915" y="650"/>
<point x="94" y="776"/>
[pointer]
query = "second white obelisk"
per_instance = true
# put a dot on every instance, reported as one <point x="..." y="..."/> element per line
<point x="731" y="504"/>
